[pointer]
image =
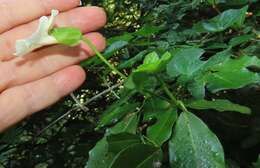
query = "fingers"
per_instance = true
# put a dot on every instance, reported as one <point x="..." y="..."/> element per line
<point x="86" y="18"/>
<point x="19" y="102"/>
<point x="44" y="62"/>
<point x="16" y="12"/>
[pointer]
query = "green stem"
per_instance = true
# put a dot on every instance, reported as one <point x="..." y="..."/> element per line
<point x="177" y="102"/>
<point x="149" y="140"/>
<point x="102" y="58"/>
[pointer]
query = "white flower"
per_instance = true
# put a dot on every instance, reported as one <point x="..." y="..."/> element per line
<point x="39" y="38"/>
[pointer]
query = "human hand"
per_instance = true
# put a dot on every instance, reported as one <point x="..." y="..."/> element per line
<point x="33" y="82"/>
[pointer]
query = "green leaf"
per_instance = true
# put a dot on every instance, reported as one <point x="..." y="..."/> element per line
<point x="116" y="112"/>
<point x="130" y="62"/>
<point x="137" y="156"/>
<point x="67" y="35"/>
<point x="152" y="63"/>
<point x="154" y="106"/>
<point x="125" y="37"/>
<point x="213" y="2"/>
<point x="224" y="80"/>
<point x="141" y="81"/>
<point x="185" y="62"/>
<point x="218" y="73"/>
<point x="162" y="129"/>
<point x="118" y="142"/>
<point x="174" y="37"/>
<point x="194" y="145"/>
<point x="230" y="18"/>
<point x="237" y="64"/>
<point x="240" y="40"/>
<point x="115" y="47"/>
<point x="237" y="2"/>
<point x="41" y="165"/>
<point x="197" y="88"/>
<point x="252" y="49"/>
<point x="217" y="46"/>
<point x="257" y="163"/>
<point x="109" y="52"/>
<point x="197" y="83"/>
<point x="258" y="13"/>
<point x="232" y="74"/>
<point x="217" y="59"/>
<point x="147" y="31"/>
<point x="128" y="124"/>
<point x="99" y="156"/>
<point x="219" y="105"/>
<point x="151" y="58"/>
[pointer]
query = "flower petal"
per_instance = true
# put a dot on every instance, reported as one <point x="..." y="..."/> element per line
<point x="39" y="38"/>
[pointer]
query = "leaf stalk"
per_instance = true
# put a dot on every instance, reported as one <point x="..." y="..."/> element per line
<point x="102" y="58"/>
<point x="177" y="102"/>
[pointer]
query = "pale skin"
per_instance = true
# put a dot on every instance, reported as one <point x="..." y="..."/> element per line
<point x="36" y="81"/>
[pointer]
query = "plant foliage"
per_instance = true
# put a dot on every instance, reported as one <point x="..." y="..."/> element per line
<point x="181" y="89"/>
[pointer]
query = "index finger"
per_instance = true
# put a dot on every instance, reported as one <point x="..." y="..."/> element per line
<point x="16" y="12"/>
<point x="21" y="101"/>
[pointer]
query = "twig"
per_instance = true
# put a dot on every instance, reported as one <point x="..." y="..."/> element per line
<point x="75" y="108"/>
<point x="102" y="93"/>
<point x="82" y="107"/>
<point x="107" y="84"/>
<point x="215" y="6"/>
